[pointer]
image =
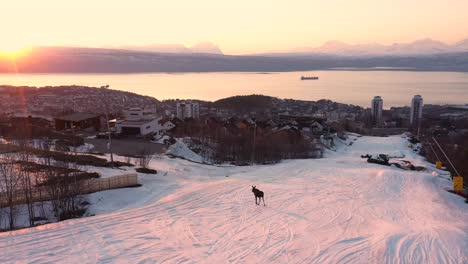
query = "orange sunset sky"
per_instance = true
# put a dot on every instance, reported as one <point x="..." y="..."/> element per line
<point x="238" y="27"/>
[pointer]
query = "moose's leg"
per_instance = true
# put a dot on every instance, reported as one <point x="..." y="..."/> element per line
<point x="263" y="198"/>
<point x="256" y="200"/>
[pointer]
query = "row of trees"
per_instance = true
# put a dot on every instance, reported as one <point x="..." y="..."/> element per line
<point x="456" y="149"/>
<point x="449" y="133"/>
<point x="261" y="148"/>
<point x="244" y="145"/>
<point x="27" y="178"/>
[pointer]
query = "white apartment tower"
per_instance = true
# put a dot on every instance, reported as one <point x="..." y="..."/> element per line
<point x="188" y="110"/>
<point x="376" y="109"/>
<point x="416" y="109"/>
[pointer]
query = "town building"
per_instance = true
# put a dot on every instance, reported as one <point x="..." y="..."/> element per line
<point x="166" y="125"/>
<point x="5" y="125"/>
<point x="416" y="109"/>
<point x="138" y="123"/>
<point x="188" y="110"/>
<point x="79" y="121"/>
<point x="376" y="110"/>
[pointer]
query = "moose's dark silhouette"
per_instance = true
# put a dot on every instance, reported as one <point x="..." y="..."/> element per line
<point x="258" y="194"/>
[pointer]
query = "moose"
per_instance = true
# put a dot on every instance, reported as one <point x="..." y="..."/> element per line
<point x="258" y="194"/>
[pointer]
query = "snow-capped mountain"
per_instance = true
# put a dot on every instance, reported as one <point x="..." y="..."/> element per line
<point x="462" y="45"/>
<point x="418" y="47"/>
<point x="202" y="47"/>
<point x="206" y="47"/>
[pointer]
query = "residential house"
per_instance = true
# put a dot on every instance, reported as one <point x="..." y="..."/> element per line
<point x="138" y="123"/>
<point x="79" y="121"/>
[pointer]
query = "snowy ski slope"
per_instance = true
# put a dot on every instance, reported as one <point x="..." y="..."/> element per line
<point x="340" y="209"/>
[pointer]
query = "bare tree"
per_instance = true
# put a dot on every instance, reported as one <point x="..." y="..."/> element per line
<point x="64" y="187"/>
<point x="145" y="157"/>
<point x="25" y="159"/>
<point x="128" y="159"/>
<point x="46" y="161"/>
<point x="2" y="198"/>
<point x="9" y="182"/>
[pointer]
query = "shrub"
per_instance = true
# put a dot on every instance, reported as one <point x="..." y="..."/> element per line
<point x="146" y="170"/>
<point x="131" y="186"/>
<point x="80" y="159"/>
<point x="67" y="177"/>
<point x="36" y="167"/>
<point x="72" y="214"/>
<point x="121" y="164"/>
<point x="39" y="218"/>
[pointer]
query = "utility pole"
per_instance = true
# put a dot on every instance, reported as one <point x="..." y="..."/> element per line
<point x="419" y="128"/>
<point x="109" y="142"/>
<point x="74" y="139"/>
<point x="254" y="135"/>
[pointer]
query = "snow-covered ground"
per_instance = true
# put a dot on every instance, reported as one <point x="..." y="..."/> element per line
<point x="339" y="209"/>
<point x="181" y="150"/>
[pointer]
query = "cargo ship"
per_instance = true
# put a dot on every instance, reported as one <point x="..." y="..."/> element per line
<point x="309" y="78"/>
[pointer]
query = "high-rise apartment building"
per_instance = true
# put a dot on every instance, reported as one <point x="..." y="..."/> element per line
<point x="376" y="109"/>
<point x="416" y="109"/>
<point x="188" y="110"/>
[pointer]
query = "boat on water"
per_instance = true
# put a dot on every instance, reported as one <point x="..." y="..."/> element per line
<point x="309" y="78"/>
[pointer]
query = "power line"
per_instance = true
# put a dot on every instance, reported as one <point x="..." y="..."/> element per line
<point x="433" y="151"/>
<point x="448" y="159"/>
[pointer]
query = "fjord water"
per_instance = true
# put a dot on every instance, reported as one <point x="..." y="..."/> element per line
<point x="352" y="87"/>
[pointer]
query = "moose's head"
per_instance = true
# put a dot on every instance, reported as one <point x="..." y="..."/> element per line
<point x="254" y="188"/>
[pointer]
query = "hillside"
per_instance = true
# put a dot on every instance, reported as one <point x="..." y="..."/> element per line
<point x="52" y="100"/>
<point x="247" y="103"/>
<point x="340" y="209"/>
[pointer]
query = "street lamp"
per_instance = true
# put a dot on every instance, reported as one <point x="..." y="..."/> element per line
<point x="109" y="142"/>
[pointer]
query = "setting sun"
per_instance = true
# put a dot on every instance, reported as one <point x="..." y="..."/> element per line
<point x="14" y="51"/>
<point x="9" y="47"/>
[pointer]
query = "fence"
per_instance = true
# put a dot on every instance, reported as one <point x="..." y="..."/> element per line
<point x="87" y="186"/>
<point x="97" y="185"/>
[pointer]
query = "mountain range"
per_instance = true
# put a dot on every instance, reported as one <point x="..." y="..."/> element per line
<point x="94" y="60"/>
<point x="333" y="47"/>
<point x="202" y="47"/>
<point x="418" y="47"/>
<point x="421" y="55"/>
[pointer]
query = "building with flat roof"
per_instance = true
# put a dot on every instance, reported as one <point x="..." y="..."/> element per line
<point x="416" y="109"/>
<point x="188" y="110"/>
<point x="138" y="123"/>
<point x="376" y="110"/>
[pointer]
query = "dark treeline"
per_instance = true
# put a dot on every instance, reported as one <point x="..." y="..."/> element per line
<point x="452" y="135"/>
<point x="265" y="148"/>
<point x="241" y="142"/>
